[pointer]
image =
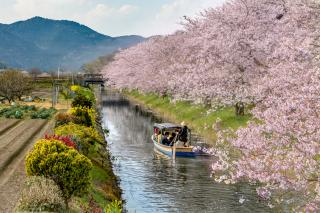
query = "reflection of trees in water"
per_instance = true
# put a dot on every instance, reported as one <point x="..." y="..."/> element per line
<point x="135" y="129"/>
<point x="135" y="125"/>
<point x="188" y="184"/>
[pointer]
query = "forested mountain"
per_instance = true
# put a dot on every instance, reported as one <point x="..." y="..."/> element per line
<point x="47" y="44"/>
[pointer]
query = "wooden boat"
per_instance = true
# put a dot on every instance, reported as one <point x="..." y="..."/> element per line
<point x="174" y="149"/>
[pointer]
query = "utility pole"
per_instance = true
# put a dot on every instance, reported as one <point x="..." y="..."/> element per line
<point x="57" y="88"/>
<point x="53" y="94"/>
<point x="72" y="78"/>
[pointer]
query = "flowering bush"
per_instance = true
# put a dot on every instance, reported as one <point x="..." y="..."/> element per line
<point x="66" y="140"/>
<point x="85" y="137"/>
<point x="64" y="118"/>
<point x="69" y="169"/>
<point x="40" y="194"/>
<point x="114" y="207"/>
<point x="75" y="88"/>
<point x="84" y="115"/>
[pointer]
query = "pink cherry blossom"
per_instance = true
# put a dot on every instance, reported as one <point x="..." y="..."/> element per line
<point x="260" y="52"/>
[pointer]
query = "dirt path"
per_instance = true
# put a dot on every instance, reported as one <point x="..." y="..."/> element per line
<point x="15" y="142"/>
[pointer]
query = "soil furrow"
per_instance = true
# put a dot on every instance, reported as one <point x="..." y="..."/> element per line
<point x="12" y="134"/>
<point x="13" y="148"/>
<point x="6" y="125"/>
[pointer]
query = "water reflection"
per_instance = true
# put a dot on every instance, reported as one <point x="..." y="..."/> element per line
<point x="152" y="182"/>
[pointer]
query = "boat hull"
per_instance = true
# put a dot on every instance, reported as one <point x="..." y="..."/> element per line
<point x="168" y="150"/>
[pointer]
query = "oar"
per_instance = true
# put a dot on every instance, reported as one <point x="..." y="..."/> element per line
<point x="174" y="147"/>
<point x="174" y="151"/>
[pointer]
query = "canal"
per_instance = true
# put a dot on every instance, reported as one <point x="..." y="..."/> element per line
<point x="152" y="182"/>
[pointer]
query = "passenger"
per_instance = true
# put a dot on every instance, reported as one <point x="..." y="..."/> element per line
<point x="165" y="140"/>
<point x="172" y="138"/>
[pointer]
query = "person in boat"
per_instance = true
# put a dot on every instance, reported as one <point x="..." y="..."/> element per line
<point x="172" y="138"/>
<point x="157" y="134"/>
<point x="183" y="135"/>
<point x="165" y="139"/>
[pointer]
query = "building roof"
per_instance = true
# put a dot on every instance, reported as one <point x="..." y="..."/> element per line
<point x="166" y="125"/>
<point x="44" y="74"/>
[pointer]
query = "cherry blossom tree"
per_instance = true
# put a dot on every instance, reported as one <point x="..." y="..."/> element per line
<point x="283" y="151"/>
<point x="260" y="52"/>
<point x="219" y="56"/>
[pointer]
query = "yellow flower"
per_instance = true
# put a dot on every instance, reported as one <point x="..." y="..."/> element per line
<point x="75" y="88"/>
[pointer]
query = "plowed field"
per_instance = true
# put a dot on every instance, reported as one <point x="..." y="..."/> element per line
<point x="16" y="139"/>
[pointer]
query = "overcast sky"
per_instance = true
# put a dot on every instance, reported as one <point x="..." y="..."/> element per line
<point x="110" y="17"/>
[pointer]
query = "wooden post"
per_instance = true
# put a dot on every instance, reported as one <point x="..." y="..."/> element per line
<point x="53" y="95"/>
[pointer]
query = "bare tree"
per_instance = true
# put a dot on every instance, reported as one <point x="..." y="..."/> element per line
<point x="34" y="72"/>
<point x="14" y="85"/>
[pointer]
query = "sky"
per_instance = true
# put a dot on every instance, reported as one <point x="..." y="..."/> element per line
<point x="110" y="17"/>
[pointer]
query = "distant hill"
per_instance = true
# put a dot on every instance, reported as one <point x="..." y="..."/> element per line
<point x="46" y="44"/>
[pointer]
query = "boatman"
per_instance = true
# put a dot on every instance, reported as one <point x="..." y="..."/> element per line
<point x="183" y="134"/>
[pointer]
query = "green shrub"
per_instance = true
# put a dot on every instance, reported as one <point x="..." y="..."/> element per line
<point x="40" y="194"/>
<point x="3" y="111"/>
<point x="12" y="112"/>
<point x="29" y="108"/>
<point x="65" y="166"/>
<point x="82" y="101"/>
<point x="43" y="113"/>
<point x="84" y="96"/>
<point x="18" y="114"/>
<point x="85" y="137"/>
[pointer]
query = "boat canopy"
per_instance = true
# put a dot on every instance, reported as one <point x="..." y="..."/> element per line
<point x="166" y="126"/>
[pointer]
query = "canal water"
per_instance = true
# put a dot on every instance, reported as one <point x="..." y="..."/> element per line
<point x="152" y="182"/>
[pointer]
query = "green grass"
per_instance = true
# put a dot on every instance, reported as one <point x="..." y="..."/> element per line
<point x="42" y="85"/>
<point x="99" y="175"/>
<point x="198" y="117"/>
<point x="100" y="198"/>
<point x="47" y="83"/>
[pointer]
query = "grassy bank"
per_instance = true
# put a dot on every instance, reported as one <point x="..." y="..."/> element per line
<point x="105" y="188"/>
<point x="200" y="118"/>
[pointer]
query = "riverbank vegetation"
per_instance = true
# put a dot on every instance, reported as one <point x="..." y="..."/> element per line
<point x="234" y="56"/>
<point x="205" y="120"/>
<point x="72" y="165"/>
